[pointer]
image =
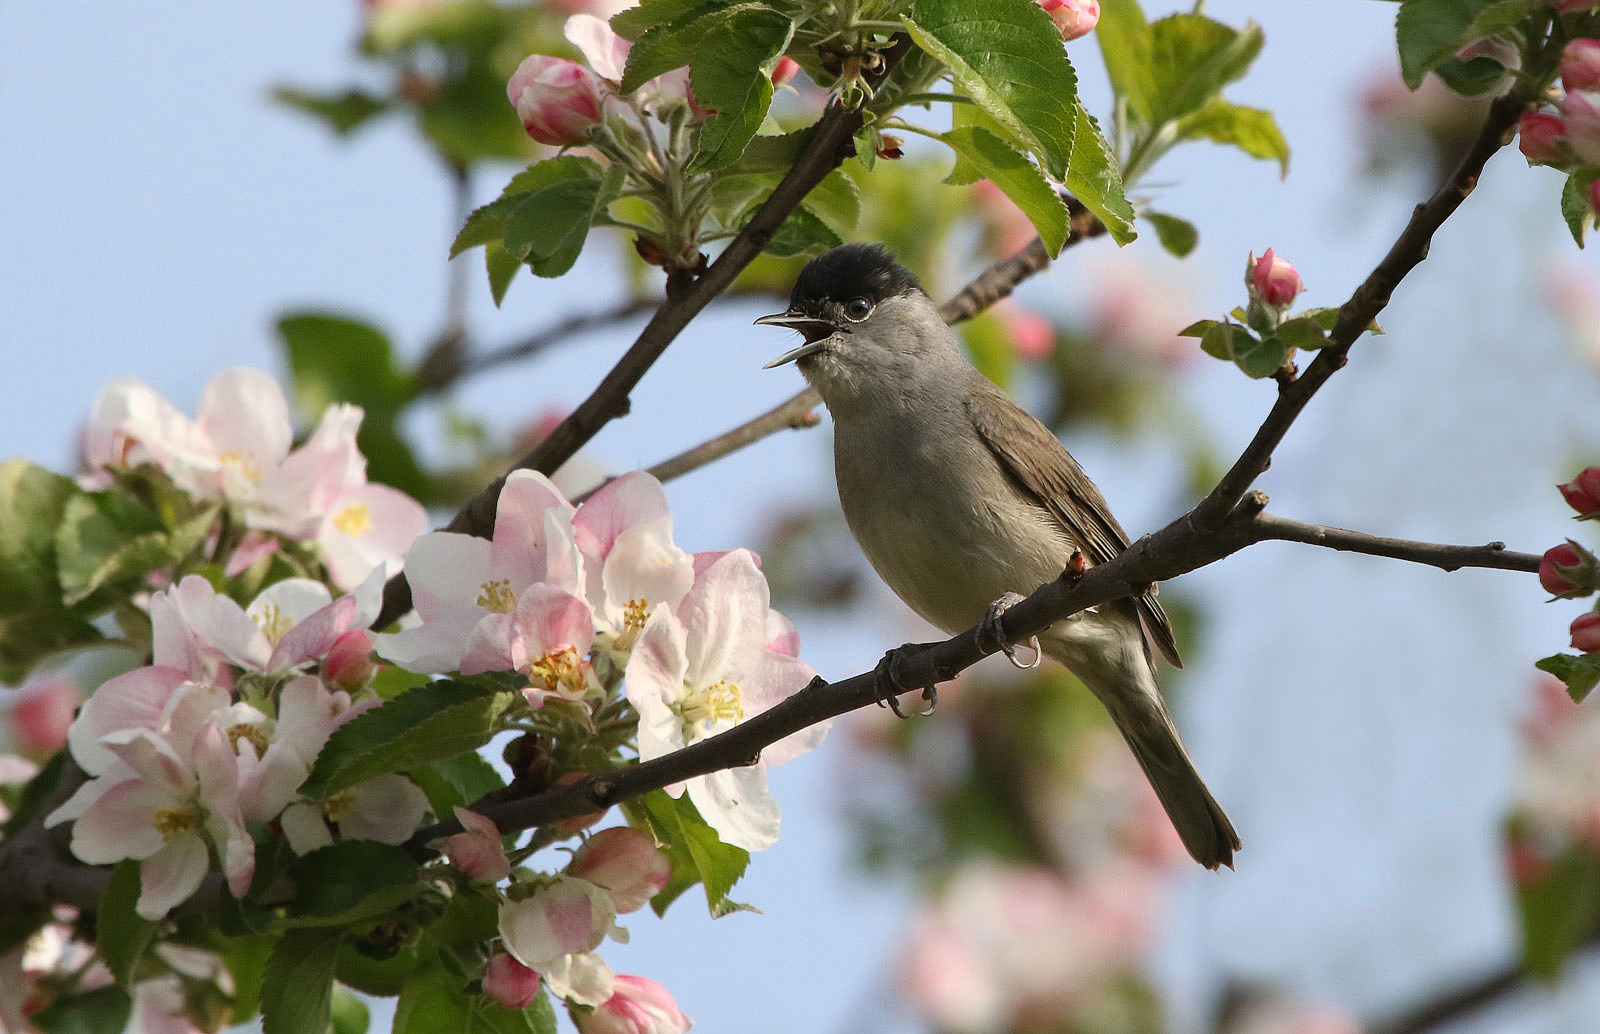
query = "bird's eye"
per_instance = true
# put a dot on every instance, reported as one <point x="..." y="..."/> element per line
<point x="857" y="309"/>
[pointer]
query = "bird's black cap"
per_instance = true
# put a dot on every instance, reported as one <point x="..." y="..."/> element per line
<point x="851" y="271"/>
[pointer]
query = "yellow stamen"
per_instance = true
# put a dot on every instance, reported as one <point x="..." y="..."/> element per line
<point x="354" y="520"/>
<point x="274" y="623"/>
<point x="335" y="806"/>
<point x="242" y="463"/>
<point x="720" y="702"/>
<point x="250" y="734"/>
<point x="562" y="672"/>
<point x="497" y="597"/>
<point x="175" y="822"/>
<point x="634" y="613"/>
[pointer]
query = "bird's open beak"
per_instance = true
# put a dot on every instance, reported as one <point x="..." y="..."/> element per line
<point x="816" y="332"/>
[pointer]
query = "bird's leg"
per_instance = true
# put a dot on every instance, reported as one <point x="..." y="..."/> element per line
<point x="887" y="674"/>
<point x="989" y="630"/>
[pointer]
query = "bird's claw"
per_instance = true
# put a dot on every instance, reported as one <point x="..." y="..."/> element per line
<point x="990" y="628"/>
<point x="888" y="676"/>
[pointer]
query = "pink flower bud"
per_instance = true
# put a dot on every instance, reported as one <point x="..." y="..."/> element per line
<point x="1586" y="633"/>
<point x="43" y="713"/>
<point x="626" y="862"/>
<point x="786" y="68"/>
<point x="1580" y="114"/>
<point x="558" y="101"/>
<point x="639" y="1005"/>
<point x="1580" y="64"/>
<point x="1073" y="18"/>
<point x="349" y="664"/>
<point x="1594" y="196"/>
<point x="1569" y="571"/>
<point x="1273" y="280"/>
<point x="1571" y="6"/>
<point x="1540" y="136"/>
<point x="510" y="983"/>
<point x="1582" y="493"/>
<point x="477" y="850"/>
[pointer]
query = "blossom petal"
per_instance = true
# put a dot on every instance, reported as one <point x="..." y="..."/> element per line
<point x="133" y="700"/>
<point x="168" y="877"/>
<point x="737" y="804"/>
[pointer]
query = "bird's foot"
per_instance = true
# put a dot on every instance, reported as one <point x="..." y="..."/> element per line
<point x="889" y="685"/>
<point x="989" y="630"/>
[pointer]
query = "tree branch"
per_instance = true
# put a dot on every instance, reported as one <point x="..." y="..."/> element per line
<point x="1357" y="314"/>
<point x="829" y="145"/>
<point x="1446" y="558"/>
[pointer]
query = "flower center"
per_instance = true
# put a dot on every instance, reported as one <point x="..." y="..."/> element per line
<point x="250" y="734"/>
<point x="274" y="623"/>
<point x="335" y="806"/>
<point x="497" y="597"/>
<point x="719" y="703"/>
<point x="175" y="822"/>
<point x="243" y="463"/>
<point x="354" y="520"/>
<point x="634" y="613"/>
<point x="561" y="672"/>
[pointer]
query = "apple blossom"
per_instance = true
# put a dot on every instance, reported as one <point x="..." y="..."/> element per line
<point x="387" y="808"/>
<point x="1580" y="64"/>
<point x="606" y="52"/>
<point x="706" y="668"/>
<point x="1580" y="113"/>
<point x="509" y="982"/>
<point x="786" y="68"/>
<point x="1586" y="632"/>
<point x="555" y="931"/>
<point x="559" y="101"/>
<point x="626" y="862"/>
<point x="1074" y="18"/>
<point x="638" y="1006"/>
<point x="1273" y="280"/>
<point x="477" y="850"/>
<point x="367" y="528"/>
<point x="1568" y="571"/>
<point x="461" y="582"/>
<point x="1541" y="136"/>
<point x="630" y="562"/>
<point x="42" y="714"/>
<point x="1582" y="493"/>
<point x="349" y="663"/>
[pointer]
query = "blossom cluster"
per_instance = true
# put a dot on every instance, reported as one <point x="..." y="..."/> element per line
<point x="220" y="731"/>
<point x="1557" y="803"/>
<point x="1567" y="134"/>
<point x="562" y="588"/>
<point x="238" y="449"/>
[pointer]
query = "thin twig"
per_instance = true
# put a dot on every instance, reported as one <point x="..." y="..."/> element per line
<point x="1357" y="314"/>
<point x="1446" y="558"/>
<point x="471" y="364"/>
<point x="830" y="144"/>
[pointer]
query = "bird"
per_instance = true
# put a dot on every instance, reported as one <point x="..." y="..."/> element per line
<point x="963" y="502"/>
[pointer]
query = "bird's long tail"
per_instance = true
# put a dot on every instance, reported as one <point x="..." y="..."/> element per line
<point x="1127" y="688"/>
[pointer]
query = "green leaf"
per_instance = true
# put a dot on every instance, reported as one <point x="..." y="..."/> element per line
<point x="1199" y="328"/>
<point x="636" y="21"/>
<point x="121" y="933"/>
<point x="502" y="267"/>
<point x="698" y="855"/>
<point x="1575" y="206"/>
<point x="801" y="233"/>
<point x="1018" y="178"/>
<point x="1475" y="78"/>
<point x="1008" y="57"/>
<point x="104" y="539"/>
<point x="1302" y="333"/>
<point x="1429" y="32"/>
<point x="425" y="724"/>
<point x="340" y="112"/>
<point x="1558" y="910"/>
<point x="456" y="781"/>
<point x="488" y="223"/>
<point x="1178" y="236"/>
<point x="1095" y="178"/>
<point x="32" y="501"/>
<point x="350" y="1015"/>
<point x="1581" y="672"/>
<point x="727" y="77"/>
<point x="246" y="959"/>
<point x="297" y="987"/>
<point x="1327" y="317"/>
<point x="1125" y="45"/>
<point x="350" y="881"/>
<point x="105" y="1010"/>
<point x="671" y="45"/>
<point x="1217" y="340"/>
<point x="836" y="201"/>
<point x="1258" y="357"/>
<point x="1252" y="130"/>
<point x="1192" y="58"/>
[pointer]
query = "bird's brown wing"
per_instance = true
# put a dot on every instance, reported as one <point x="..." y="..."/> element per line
<point x="1044" y="469"/>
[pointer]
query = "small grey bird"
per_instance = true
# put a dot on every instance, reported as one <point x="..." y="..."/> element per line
<point x="960" y="499"/>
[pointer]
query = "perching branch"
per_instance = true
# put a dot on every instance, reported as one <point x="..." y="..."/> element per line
<point x="829" y="146"/>
<point x="1446" y="558"/>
